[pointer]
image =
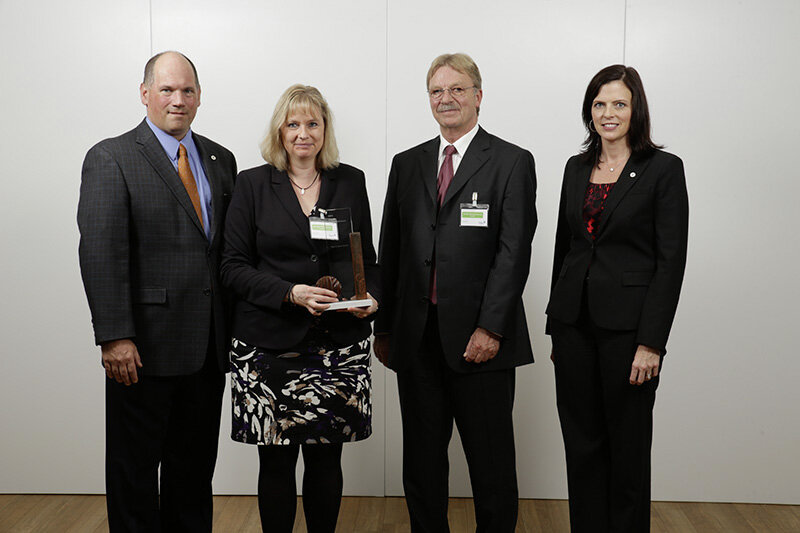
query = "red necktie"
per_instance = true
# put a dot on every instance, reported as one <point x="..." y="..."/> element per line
<point x="443" y="182"/>
<point x="185" y="173"/>
<point x="446" y="172"/>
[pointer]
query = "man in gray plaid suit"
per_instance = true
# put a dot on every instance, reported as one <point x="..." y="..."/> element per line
<point x="151" y="211"/>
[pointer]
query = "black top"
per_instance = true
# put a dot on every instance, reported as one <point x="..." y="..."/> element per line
<point x="636" y="251"/>
<point x="481" y="272"/>
<point x="268" y="248"/>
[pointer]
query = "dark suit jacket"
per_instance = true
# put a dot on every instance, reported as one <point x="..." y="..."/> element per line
<point x="481" y="272"/>
<point x="268" y="248"/>
<point x="633" y="270"/>
<point x="148" y="270"/>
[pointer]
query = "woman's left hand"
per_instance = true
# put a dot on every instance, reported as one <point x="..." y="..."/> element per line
<point x="362" y="312"/>
<point x="645" y="364"/>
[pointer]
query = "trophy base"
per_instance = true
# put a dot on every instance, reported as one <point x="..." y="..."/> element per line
<point x="347" y="304"/>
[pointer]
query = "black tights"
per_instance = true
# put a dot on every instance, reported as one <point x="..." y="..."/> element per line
<point x="277" y="490"/>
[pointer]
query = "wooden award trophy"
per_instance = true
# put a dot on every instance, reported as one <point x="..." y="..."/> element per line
<point x="360" y="298"/>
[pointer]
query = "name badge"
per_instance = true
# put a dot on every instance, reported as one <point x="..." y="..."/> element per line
<point x="324" y="229"/>
<point x="474" y="215"/>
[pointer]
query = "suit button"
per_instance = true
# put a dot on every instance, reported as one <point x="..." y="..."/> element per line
<point x="427" y="262"/>
<point x="206" y="292"/>
<point x="314" y="258"/>
<point x="433" y="226"/>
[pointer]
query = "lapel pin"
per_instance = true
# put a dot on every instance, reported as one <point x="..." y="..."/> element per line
<point x="633" y="174"/>
<point x="213" y="157"/>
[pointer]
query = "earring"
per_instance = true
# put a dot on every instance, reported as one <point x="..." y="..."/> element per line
<point x="591" y="126"/>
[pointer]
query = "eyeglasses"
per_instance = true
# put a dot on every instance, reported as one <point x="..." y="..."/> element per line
<point x="455" y="92"/>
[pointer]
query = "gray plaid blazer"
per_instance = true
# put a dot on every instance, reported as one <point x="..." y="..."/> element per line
<point x="149" y="272"/>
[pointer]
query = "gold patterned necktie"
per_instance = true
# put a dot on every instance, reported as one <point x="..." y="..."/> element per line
<point x="185" y="172"/>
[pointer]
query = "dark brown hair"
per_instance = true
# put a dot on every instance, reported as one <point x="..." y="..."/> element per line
<point x="639" y="132"/>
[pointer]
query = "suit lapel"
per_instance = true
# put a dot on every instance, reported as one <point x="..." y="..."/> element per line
<point x="477" y="154"/>
<point x="210" y="167"/>
<point x="633" y="171"/>
<point x="429" y="165"/>
<point x="327" y="189"/>
<point x="286" y="197"/>
<point x="327" y="192"/>
<point x="578" y="184"/>
<point x="154" y="153"/>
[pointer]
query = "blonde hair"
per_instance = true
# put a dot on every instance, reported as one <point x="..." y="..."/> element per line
<point x="460" y="62"/>
<point x="299" y="98"/>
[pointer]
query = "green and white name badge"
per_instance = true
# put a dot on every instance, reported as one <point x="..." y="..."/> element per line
<point x="474" y="215"/>
<point x="324" y="229"/>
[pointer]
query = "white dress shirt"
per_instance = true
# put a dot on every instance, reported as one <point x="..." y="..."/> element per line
<point x="461" y="144"/>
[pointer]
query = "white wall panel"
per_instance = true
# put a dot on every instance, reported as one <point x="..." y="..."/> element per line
<point x="722" y="79"/>
<point x="70" y="78"/>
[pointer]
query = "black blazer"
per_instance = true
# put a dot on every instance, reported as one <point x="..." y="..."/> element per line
<point x="633" y="270"/>
<point x="268" y="248"/>
<point x="149" y="272"/>
<point x="481" y="272"/>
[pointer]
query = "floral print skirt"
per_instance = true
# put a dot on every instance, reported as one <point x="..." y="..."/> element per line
<point x="311" y="393"/>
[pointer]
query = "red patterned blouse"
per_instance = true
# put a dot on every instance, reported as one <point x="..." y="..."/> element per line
<point x="593" y="204"/>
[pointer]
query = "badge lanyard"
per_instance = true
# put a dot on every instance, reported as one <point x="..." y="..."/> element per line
<point x="474" y="215"/>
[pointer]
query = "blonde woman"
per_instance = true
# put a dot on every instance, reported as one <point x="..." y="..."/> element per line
<point x="300" y="376"/>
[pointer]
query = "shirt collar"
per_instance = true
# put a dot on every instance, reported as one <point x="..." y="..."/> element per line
<point x="170" y="143"/>
<point x="461" y="144"/>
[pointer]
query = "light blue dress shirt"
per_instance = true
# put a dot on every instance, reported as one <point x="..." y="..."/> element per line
<point x="171" y="145"/>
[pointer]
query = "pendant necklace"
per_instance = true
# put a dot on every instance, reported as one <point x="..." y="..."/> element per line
<point x="303" y="189"/>
<point x="611" y="169"/>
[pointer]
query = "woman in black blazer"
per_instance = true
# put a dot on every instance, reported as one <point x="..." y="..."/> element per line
<point x="300" y="376"/>
<point x="620" y="254"/>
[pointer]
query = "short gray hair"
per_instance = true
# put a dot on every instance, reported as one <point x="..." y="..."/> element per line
<point x="460" y="62"/>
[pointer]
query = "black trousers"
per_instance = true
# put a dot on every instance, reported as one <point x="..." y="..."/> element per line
<point x="171" y="422"/>
<point x="607" y="425"/>
<point x="432" y="396"/>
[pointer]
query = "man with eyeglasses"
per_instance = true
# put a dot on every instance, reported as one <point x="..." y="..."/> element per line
<point x="455" y="248"/>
